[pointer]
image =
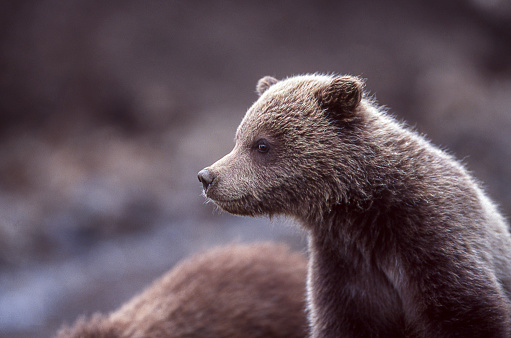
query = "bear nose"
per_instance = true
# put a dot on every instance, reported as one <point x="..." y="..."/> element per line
<point x="206" y="178"/>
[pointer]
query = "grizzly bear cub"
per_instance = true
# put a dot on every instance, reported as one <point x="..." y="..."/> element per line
<point x="403" y="242"/>
<point x="255" y="290"/>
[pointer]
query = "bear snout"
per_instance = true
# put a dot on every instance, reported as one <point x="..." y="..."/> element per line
<point x="206" y="178"/>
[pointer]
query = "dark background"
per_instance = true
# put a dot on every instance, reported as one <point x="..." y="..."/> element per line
<point x="108" y="109"/>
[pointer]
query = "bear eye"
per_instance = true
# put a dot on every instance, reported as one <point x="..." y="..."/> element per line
<point x="262" y="146"/>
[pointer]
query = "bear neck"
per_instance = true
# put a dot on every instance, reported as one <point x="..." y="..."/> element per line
<point x="358" y="240"/>
<point x="355" y="243"/>
<point x="396" y="176"/>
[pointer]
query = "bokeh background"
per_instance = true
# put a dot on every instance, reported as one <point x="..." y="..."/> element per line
<point x="108" y="109"/>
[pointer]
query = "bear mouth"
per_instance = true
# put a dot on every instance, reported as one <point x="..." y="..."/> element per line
<point x="218" y="200"/>
<point x="213" y="195"/>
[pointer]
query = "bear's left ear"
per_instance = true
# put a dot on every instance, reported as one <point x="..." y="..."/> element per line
<point x="341" y="96"/>
<point x="265" y="83"/>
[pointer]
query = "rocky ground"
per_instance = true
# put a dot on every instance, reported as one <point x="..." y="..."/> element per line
<point x="109" y="109"/>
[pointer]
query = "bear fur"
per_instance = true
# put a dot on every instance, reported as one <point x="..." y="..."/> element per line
<point x="255" y="290"/>
<point x="403" y="242"/>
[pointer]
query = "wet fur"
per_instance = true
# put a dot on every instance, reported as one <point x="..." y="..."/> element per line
<point x="403" y="241"/>
<point x="237" y="291"/>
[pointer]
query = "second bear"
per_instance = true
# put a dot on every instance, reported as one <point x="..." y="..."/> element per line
<point x="253" y="291"/>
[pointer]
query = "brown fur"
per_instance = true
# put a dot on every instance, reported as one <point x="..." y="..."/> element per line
<point x="238" y="291"/>
<point x="403" y="242"/>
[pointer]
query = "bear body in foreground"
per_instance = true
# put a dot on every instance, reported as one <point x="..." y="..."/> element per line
<point x="255" y="290"/>
<point x="402" y="241"/>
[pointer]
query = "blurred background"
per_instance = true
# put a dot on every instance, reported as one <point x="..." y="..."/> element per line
<point x="108" y="109"/>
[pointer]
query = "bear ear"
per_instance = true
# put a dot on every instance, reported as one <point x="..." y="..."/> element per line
<point x="341" y="96"/>
<point x="265" y="83"/>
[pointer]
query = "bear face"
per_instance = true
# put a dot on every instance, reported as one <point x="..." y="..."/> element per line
<point x="284" y="156"/>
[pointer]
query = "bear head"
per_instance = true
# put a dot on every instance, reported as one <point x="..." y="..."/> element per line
<point x="296" y="149"/>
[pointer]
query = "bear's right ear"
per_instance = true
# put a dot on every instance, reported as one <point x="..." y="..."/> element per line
<point x="265" y="83"/>
<point x="341" y="96"/>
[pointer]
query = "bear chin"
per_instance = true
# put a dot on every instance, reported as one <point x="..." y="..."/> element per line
<point x="241" y="207"/>
<point x="233" y="208"/>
